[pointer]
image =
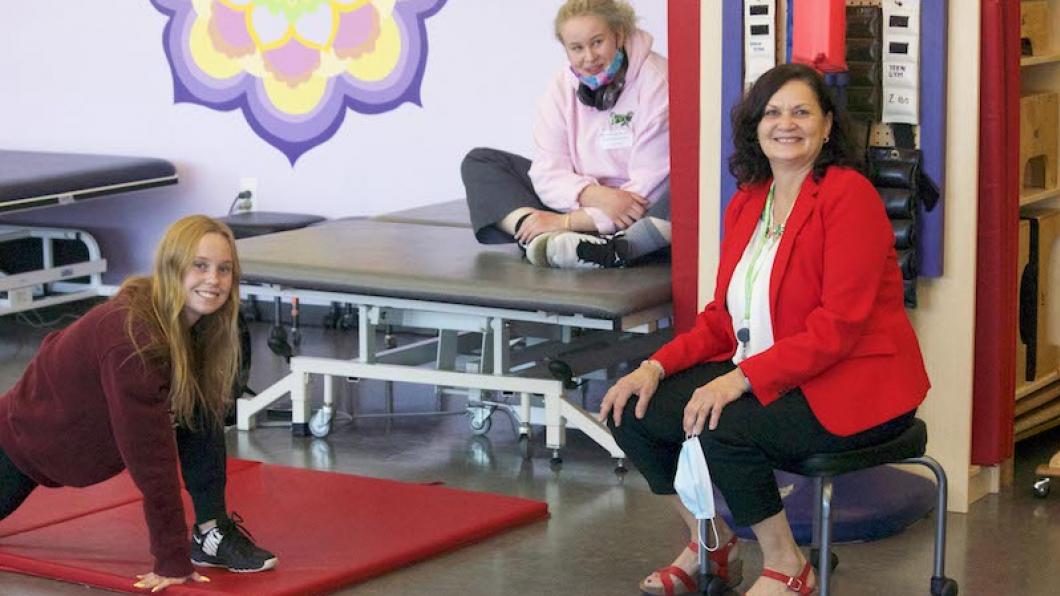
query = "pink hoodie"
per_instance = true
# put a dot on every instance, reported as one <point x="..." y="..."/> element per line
<point x="626" y="147"/>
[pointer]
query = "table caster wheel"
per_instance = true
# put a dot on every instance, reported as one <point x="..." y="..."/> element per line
<point x="1041" y="487"/>
<point x="320" y="423"/>
<point x="480" y="420"/>
<point x="620" y="467"/>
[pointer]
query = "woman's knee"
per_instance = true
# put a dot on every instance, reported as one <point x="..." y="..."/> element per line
<point x="624" y="431"/>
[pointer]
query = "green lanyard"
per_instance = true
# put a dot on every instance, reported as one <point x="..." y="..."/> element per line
<point x="753" y="269"/>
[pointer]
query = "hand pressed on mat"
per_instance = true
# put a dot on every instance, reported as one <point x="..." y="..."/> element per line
<point x="157" y="583"/>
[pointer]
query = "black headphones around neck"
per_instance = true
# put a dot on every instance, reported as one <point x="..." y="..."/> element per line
<point x="604" y="98"/>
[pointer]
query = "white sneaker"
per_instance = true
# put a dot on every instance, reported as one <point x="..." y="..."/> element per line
<point x="537" y="250"/>
<point x="563" y="250"/>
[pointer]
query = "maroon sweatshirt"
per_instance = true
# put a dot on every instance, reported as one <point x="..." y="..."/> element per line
<point x="86" y="408"/>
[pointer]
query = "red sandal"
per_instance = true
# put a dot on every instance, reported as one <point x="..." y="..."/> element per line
<point x="798" y="584"/>
<point x="730" y="572"/>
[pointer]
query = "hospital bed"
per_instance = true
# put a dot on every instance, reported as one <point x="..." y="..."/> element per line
<point x="33" y="273"/>
<point x="535" y="330"/>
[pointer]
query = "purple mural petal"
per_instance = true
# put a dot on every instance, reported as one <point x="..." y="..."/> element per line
<point x="228" y="31"/>
<point x="293" y="62"/>
<point x="357" y="32"/>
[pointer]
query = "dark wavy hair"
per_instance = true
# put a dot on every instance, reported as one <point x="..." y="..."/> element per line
<point x="749" y="165"/>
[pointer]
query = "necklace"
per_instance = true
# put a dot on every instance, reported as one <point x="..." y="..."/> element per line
<point x="774" y="229"/>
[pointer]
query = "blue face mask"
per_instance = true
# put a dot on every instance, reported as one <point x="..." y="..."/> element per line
<point x="596" y="81"/>
<point x="693" y="486"/>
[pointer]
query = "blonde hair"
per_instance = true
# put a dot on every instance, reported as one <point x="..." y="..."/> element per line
<point x="618" y="14"/>
<point x="203" y="361"/>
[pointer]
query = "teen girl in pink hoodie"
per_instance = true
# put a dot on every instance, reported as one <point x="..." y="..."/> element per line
<point x="597" y="191"/>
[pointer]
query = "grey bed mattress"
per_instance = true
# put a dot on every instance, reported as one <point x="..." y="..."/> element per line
<point x="30" y="179"/>
<point x="442" y="264"/>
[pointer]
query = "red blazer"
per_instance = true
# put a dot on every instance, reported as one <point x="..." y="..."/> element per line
<point x="840" y="329"/>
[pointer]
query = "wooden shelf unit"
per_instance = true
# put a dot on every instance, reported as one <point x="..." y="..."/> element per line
<point x="1038" y="402"/>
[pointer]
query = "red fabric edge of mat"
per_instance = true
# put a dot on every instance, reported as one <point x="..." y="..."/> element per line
<point x="325" y="583"/>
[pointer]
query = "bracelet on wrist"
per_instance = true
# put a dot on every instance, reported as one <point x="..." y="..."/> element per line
<point x="656" y="366"/>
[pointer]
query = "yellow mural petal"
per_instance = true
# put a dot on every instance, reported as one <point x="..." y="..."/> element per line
<point x="380" y="62"/>
<point x="208" y="59"/>
<point x="298" y="100"/>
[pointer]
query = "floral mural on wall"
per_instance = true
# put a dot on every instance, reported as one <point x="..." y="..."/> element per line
<point x="294" y="66"/>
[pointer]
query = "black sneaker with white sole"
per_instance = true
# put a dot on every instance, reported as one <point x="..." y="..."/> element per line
<point x="574" y="250"/>
<point x="229" y="545"/>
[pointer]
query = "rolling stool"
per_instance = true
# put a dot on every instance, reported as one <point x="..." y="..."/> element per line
<point x="906" y="448"/>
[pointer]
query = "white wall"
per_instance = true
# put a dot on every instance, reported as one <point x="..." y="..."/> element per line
<point x="92" y="77"/>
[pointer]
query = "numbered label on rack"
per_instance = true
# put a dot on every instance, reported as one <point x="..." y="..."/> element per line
<point x="759" y="38"/>
<point x="901" y="61"/>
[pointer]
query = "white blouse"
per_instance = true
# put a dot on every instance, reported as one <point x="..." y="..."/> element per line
<point x="757" y="319"/>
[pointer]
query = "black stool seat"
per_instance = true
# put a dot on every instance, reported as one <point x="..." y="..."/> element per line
<point x="258" y="223"/>
<point x="911" y="443"/>
<point x="907" y="448"/>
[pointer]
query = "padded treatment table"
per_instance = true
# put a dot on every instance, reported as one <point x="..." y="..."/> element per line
<point x="30" y="180"/>
<point x="439" y="277"/>
<point x="449" y="213"/>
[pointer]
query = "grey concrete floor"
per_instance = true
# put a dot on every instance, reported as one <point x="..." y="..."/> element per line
<point x="605" y="532"/>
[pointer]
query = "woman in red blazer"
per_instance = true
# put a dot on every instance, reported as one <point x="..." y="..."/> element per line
<point x="806" y="347"/>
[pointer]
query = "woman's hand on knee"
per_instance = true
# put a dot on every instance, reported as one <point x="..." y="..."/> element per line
<point x="538" y="223"/>
<point x="704" y="409"/>
<point x="157" y="583"/>
<point x="642" y="382"/>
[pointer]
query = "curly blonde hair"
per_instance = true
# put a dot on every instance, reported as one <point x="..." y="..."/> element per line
<point x="618" y="14"/>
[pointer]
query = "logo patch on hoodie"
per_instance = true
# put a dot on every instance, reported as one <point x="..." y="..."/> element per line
<point x="621" y="120"/>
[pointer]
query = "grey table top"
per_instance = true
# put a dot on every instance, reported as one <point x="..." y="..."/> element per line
<point x="30" y="179"/>
<point x="449" y="213"/>
<point x="443" y="264"/>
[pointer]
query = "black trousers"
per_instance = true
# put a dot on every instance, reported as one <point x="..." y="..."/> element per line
<point x="750" y="441"/>
<point x="202" y="463"/>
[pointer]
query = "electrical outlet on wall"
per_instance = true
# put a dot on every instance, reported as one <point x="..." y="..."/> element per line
<point x="248" y="195"/>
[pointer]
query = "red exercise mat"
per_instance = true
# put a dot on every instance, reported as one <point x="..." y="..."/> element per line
<point x="329" y="530"/>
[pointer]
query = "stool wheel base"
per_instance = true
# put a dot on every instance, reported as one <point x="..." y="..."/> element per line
<point x="815" y="559"/>
<point x="943" y="586"/>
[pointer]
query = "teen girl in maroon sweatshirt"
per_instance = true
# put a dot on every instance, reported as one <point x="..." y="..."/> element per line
<point x="141" y="382"/>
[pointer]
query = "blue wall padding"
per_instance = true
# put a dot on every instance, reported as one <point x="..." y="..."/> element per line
<point x="731" y="90"/>
<point x="933" y="26"/>
<point x="790" y="15"/>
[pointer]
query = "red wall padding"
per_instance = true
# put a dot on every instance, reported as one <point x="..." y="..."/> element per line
<point x="684" y="157"/>
<point x="996" y="285"/>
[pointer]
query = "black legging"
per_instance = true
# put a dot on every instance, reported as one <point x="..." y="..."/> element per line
<point x="750" y="441"/>
<point x="202" y="462"/>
